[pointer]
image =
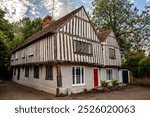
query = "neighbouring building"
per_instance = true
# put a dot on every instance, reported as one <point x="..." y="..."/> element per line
<point x="67" y="55"/>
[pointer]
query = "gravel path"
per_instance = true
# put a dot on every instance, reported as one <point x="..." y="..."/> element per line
<point x="13" y="91"/>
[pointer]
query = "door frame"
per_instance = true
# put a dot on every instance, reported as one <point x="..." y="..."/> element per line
<point x="127" y="75"/>
<point x="98" y="76"/>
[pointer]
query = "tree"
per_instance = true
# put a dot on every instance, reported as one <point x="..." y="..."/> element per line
<point x="132" y="60"/>
<point x="131" y="28"/>
<point x="29" y="27"/>
<point x="144" y="67"/>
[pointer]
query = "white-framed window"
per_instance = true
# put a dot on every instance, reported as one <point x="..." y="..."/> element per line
<point x="30" y="50"/>
<point x="109" y="73"/>
<point x="78" y="75"/>
<point x="23" y="54"/>
<point x="16" y="55"/>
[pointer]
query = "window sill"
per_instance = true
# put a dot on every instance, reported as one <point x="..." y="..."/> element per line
<point x="30" y="55"/>
<point x="77" y="85"/>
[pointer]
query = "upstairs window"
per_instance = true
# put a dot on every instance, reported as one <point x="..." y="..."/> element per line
<point x="49" y="72"/>
<point x="30" y="50"/>
<point x="36" y="71"/>
<point x="78" y="75"/>
<point x="27" y="71"/>
<point x="16" y="55"/>
<point x="112" y="54"/>
<point x="82" y="47"/>
<point x="23" y="54"/>
<point x="109" y="73"/>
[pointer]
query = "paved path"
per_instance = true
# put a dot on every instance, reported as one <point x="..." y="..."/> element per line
<point x="12" y="91"/>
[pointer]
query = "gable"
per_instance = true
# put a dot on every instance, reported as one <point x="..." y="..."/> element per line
<point x="111" y="40"/>
<point x="80" y="25"/>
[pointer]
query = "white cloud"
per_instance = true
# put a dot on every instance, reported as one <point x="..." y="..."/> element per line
<point x="132" y="1"/>
<point x="15" y="9"/>
<point x="61" y="8"/>
<point x="147" y="1"/>
<point x="86" y="1"/>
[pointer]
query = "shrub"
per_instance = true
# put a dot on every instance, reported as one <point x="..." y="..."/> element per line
<point x="132" y="60"/>
<point x="144" y="67"/>
<point x="104" y="84"/>
<point x="115" y="83"/>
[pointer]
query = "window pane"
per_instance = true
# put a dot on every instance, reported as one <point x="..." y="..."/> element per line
<point x="73" y="74"/>
<point x="36" y="71"/>
<point x="26" y="71"/>
<point x="78" y="75"/>
<point x="49" y="72"/>
<point x="82" y="47"/>
<point x="82" y="75"/>
<point x="112" y="53"/>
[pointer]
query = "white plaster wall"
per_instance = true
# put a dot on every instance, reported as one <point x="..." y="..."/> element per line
<point x="66" y="71"/>
<point x="103" y="75"/>
<point x="40" y="84"/>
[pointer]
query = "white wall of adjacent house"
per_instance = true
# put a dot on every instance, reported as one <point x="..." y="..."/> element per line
<point x="40" y="84"/>
<point x="67" y="79"/>
<point x="104" y="77"/>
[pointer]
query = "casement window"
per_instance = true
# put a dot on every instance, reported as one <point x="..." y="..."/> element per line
<point x="109" y="73"/>
<point x="36" y="71"/>
<point x="27" y="71"/>
<point x="23" y="54"/>
<point x="16" y="55"/>
<point x="49" y="72"/>
<point x="112" y="54"/>
<point x="30" y="50"/>
<point x="82" y="47"/>
<point x="14" y="71"/>
<point x="78" y="75"/>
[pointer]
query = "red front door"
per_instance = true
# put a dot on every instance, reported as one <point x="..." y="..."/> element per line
<point x="95" y="77"/>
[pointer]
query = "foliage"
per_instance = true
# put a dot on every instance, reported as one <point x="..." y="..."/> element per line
<point x="104" y="84"/>
<point x="11" y="35"/>
<point x="131" y="61"/>
<point x="137" y="63"/>
<point x="29" y="27"/>
<point x="131" y="28"/>
<point x="115" y="82"/>
<point x="144" y="67"/>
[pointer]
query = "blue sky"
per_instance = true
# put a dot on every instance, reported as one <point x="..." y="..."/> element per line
<point x="17" y="9"/>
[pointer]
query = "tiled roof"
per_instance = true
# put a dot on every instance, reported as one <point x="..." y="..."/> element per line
<point x="102" y="35"/>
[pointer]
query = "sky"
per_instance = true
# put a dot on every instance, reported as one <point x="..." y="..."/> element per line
<point x="17" y="9"/>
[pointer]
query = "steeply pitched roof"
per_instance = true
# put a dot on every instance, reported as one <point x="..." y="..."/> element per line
<point x="102" y="35"/>
<point x="50" y="29"/>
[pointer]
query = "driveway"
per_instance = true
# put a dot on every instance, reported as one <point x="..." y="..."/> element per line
<point x="12" y="91"/>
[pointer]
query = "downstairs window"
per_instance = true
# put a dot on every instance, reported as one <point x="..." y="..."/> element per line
<point x="78" y="75"/>
<point x="109" y="73"/>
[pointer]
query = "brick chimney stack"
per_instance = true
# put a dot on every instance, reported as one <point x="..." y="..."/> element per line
<point x="46" y="22"/>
